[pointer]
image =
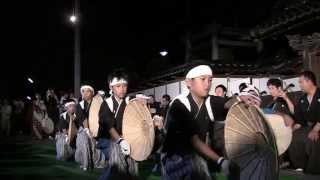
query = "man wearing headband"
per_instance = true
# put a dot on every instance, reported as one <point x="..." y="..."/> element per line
<point x="110" y="124"/>
<point x="65" y="147"/>
<point x="83" y="107"/>
<point x="70" y="107"/>
<point x="102" y="94"/>
<point x="112" y="109"/>
<point x="187" y="126"/>
<point x="249" y="95"/>
<point x="86" y="155"/>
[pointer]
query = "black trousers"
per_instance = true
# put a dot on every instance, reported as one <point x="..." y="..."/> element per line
<point x="303" y="152"/>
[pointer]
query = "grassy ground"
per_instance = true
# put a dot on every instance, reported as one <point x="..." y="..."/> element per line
<point x="23" y="158"/>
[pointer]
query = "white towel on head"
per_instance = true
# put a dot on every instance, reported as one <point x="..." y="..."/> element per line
<point x="86" y="87"/>
<point x="198" y="71"/>
<point x="116" y="81"/>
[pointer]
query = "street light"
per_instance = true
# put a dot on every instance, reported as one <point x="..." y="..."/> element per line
<point x="30" y="80"/>
<point x="73" y="19"/>
<point x="163" y="53"/>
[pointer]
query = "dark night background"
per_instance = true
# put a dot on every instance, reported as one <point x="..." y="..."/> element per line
<point x="237" y="38"/>
<point x="114" y="34"/>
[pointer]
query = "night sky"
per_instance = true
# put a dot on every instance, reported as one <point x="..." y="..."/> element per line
<point x="114" y="34"/>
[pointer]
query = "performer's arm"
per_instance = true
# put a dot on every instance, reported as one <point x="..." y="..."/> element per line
<point x="289" y="103"/>
<point x="204" y="148"/>
<point x="61" y="124"/>
<point x="317" y="127"/>
<point x="114" y="134"/>
<point x="106" y="119"/>
<point x="298" y="117"/>
<point x="314" y="134"/>
<point x="288" y="120"/>
<point x="35" y="119"/>
<point x="79" y="117"/>
<point x="36" y="132"/>
<point x="231" y="101"/>
<point x="178" y="111"/>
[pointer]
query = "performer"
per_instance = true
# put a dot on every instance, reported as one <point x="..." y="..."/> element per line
<point x="52" y="102"/>
<point x="65" y="147"/>
<point x="153" y="105"/>
<point x="159" y="121"/>
<point x="102" y="94"/>
<point x="116" y="149"/>
<point x="86" y="154"/>
<point x="249" y="94"/>
<point x="281" y="103"/>
<point x="187" y="128"/>
<point x="165" y="101"/>
<point x="217" y="133"/>
<point x="39" y="115"/>
<point x="305" y="147"/>
<point x="221" y="91"/>
<point x="159" y="132"/>
<point x="246" y="119"/>
<point x="6" y="111"/>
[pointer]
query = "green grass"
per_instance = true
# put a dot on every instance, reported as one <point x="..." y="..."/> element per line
<point x="25" y="159"/>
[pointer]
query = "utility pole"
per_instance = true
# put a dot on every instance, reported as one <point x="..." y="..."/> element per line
<point x="77" y="55"/>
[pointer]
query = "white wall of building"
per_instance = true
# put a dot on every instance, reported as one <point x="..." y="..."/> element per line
<point x="184" y="88"/>
<point x="216" y="82"/>
<point x="173" y="89"/>
<point x="232" y="84"/>
<point x="294" y="81"/>
<point x="149" y="91"/>
<point x="159" y="91"/>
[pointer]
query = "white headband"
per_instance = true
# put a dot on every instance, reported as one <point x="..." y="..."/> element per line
<point x="101" y="92"/>
<point x="116" y="81"/>
<point x="142" y="96"/>
<point x="200" y="70"/>
<point x="69" y="103"/>
<point x="86" y="87"/>
<point x="250" y="88"/>
<point x="246" y="92"/>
